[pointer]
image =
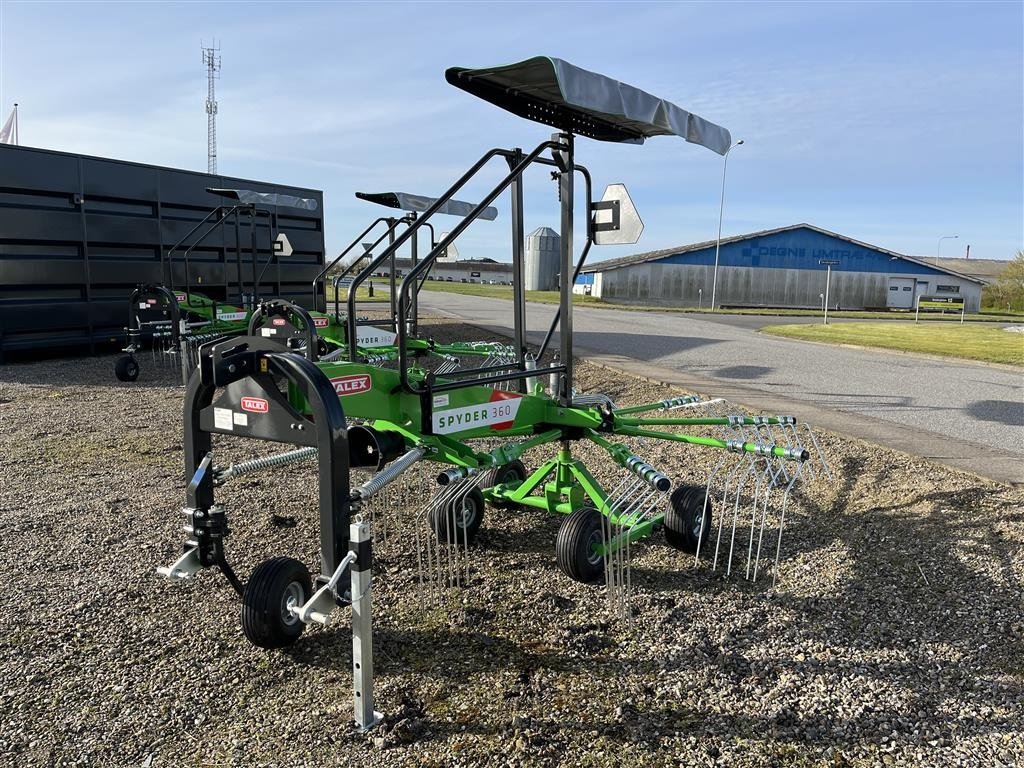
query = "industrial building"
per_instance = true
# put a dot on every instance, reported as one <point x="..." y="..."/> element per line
<point x="464" y="271"/>
<point x="543" y="260"/>
<point x="986" y="270"/>
<point x="541" y="265"/>
<point x="78" y="233"/>
<point x="784" y="267"/>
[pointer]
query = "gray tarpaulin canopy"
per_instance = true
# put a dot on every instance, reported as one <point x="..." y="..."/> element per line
<point x="265" y="198"/>
<point x="403" y="201"/>
<point x="564" y="96"/>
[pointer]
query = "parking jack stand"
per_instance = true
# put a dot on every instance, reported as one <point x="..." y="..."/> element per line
<point x="362" y="627"/>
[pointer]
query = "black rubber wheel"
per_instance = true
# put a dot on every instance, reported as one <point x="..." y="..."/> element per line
<point x="688" y="512"/>
<point x="275" y="585"/>
<point x="126" y="368"/>
<point x="513" y="472"/>
<point x="579" y="533"/>
<point x="460" y="519"/>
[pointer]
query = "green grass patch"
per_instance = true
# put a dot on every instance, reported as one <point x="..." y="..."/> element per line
<point x="505" y="292"/>
<point x="969" y="342"/>
<point x="551" y="297"/>
<point x="362" y="295"/>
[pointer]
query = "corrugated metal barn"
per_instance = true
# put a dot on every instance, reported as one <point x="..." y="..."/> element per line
<point x="77" y="233"/>
<point x="779" y="268"/>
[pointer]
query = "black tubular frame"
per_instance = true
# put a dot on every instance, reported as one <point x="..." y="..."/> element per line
<point x="340" y="256"/>
<point x="589" y="190"/>
<point x="351" y="331"/>
<point x="287" y="312"/>
<point x="166" y="298"/>
<point x="561" y="146"/>
<point x="247" y="368"/>
<point x="223" y="212"/>
<point x="165" y="258"/>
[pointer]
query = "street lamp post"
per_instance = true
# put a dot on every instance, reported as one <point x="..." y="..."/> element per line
<point x="828" y="264"/>
<point x="721" y="211"/>
<point x="938" y="247"/>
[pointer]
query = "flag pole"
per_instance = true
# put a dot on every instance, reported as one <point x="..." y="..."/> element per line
<point x="16" y="124"/>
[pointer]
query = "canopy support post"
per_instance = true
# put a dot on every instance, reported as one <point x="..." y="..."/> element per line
<point x="518" y="271"/>
<point x="564" y="159"/>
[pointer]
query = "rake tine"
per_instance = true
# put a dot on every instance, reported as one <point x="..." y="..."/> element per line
<point x="738" y="463"/>
<point x="751" y="465"/>
<point x="760" y="536"/>
<point x="700" y="534"/>
<point x="817" y="449"/>
<point x="782" y="524"/>
<point x="721" y="518"/>
<point x="629" y="503"/>
<point x="753" y="516"/>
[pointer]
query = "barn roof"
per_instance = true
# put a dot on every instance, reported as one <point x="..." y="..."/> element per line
<point x="641" y="258"/>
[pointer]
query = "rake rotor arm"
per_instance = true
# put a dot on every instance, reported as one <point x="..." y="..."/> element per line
<point x="513" y="451"/>
<point x="734" y="446"/>
<point x="621" y="455"/>
<point x="662" y="405"/>
<point x="709" y="421"/>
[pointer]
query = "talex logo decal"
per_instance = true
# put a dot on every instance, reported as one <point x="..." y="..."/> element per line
<point x="499" y="413"/>
<point x="255" y="405"/>
<point x="180" y="297"/>
<point x="321" y="322"/>
<point x="352" y="385"/>
<point x="279" y="321"/>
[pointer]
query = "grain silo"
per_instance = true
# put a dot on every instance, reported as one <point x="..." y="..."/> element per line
<point x="543" y="254"/>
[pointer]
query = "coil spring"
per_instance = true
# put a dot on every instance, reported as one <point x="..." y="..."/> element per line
<point x="390" y="473"/>
<point x="264" y="462"/>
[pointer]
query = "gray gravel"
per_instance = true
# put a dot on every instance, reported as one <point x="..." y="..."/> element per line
<point x="894" y="635"/>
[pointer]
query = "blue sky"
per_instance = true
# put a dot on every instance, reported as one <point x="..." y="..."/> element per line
<point x="894" y="123"/>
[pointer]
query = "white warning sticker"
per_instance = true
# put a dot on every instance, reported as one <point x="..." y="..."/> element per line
<point x="268" y="331"/>
<point x="222" y="419"/>
<point x="499" y="414"/>
<point x="241" y="419"/>
<point x="440" y="401"/>
<point x="231" y="316"/>
<point x="369" y="336"/>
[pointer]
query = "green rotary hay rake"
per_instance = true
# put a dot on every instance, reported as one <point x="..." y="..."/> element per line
<point x="478" y="424"/>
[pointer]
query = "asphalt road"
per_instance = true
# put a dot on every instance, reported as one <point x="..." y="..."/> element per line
<point x="960" y="414"/>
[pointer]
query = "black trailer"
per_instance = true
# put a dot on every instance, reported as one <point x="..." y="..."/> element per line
<point x="79" y="233"/>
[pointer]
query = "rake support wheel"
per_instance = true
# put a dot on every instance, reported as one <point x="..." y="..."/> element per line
<point x="513" y="472"/>
<point x="689" y="514"/>
<point x="458" y="521"/>
<point x="276" y="585"/>
<point x="126" y="368"/>
<point x="579" y="533"/>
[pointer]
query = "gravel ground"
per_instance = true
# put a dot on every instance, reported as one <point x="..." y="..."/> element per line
<point x="894" y="634"/>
